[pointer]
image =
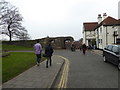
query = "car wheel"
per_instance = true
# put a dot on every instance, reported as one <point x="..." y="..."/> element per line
<point x="119" y="66"/>
<point x="104" y="59"/>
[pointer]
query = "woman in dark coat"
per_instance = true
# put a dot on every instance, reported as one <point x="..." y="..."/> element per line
<point x="48" y="53"/>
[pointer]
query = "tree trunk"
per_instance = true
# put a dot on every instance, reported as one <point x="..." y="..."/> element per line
<point x="10" y="36"/>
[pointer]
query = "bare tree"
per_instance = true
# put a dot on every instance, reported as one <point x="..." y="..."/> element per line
<point x="11" y="21"/>
<point x="23" y="34"/>
<point x="3" y="8"/>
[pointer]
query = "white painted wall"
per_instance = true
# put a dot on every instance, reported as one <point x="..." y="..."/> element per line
<point x="88" y="35"/>
<point x="100" y="37"/>
<point x="84" y="39"/>
<point x="118" y="31"/>
<point x="119" y="18"/>
<point x="106" y="35"/>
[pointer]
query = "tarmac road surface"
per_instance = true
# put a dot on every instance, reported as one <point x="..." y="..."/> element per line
<point x="89" y="71"/>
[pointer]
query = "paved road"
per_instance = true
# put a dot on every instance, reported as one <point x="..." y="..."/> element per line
<point x="89" y="71"/>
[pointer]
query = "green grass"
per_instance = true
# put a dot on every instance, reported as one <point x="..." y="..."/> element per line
<point x="16" y="63"/>
<point x="4" y="53"/>
<point x="15" y="47"/>
<point x="0" y="70"/>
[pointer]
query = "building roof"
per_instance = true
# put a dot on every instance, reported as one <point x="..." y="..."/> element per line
<point x="109" y="21"/>
<point x="118" y="21"/>
<point x="89" y="26"/>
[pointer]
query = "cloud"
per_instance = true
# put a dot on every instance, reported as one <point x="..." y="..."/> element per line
<point x="62" y="17"/>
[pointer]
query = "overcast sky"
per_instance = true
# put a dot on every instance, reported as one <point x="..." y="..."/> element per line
<point x="53" y="18"/>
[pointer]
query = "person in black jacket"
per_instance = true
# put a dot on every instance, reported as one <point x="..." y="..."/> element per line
<point x="84" y="48"/>
<point x="48" y="53"/>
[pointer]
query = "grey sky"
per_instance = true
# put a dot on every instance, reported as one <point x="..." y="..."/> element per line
<point x="119" y="10"/>
<point x="62" y="17"/>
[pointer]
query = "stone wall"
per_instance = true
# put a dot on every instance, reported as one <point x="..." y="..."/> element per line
<point x="57" y="42"/>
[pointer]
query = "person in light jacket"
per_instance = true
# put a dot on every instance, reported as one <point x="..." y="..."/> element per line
<point x="38" y="51"/>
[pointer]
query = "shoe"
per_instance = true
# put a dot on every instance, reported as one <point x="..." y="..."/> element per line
<point x="46" y="66"/>
<point x="38" y="64"/>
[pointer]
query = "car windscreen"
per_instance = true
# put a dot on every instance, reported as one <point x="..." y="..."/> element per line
<point x="119" y="48"/>
<point x="109" y="47"/>
<point x="115" y="49"/>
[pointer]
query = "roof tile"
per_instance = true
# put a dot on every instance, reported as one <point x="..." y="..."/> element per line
<point x="89" y="26"/>
<point x="109" y="21"/>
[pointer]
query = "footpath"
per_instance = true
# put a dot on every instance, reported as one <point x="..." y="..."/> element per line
<point x="37" y="76"/>
<point x="99" y="52"/>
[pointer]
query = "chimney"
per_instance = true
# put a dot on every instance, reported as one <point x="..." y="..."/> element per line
<point x="99" y="18"/>
<point x="104" y="16"/>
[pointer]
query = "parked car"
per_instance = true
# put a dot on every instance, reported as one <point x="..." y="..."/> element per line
<point x="111" y="53"/>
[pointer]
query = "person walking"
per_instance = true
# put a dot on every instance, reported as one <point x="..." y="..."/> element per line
<point x="48" y="53"/>
<point x="80" y="47"/>
<point x="38" y="51"/>
<point x="84" y="47"/>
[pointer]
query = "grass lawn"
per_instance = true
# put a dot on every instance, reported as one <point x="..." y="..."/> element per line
<point x="15" y="47"/>
<point x="0" y="70"/>
<point x="16" y="63"/>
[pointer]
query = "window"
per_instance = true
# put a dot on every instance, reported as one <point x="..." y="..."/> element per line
<point x="98" y="40"/>
<point x="107" y="47"/>
<point x="110" y="47"/>
<point x="115" y="49"/>
<point x="119" y="48"/>
<point x="101" y="41"/>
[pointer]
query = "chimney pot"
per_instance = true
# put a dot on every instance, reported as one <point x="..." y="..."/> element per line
<point x="99" y="18"/>
<point x="99" y="15"/>
<point x="104" y="14"/>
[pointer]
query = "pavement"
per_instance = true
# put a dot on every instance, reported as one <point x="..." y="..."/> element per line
<point x="99" y="52"/>
<point x="37" y="76"/>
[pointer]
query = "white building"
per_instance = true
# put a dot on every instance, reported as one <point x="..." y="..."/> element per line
<point x="119" y="21"/>
<point x="105" y="31"/>
<point x="88" y="32"/>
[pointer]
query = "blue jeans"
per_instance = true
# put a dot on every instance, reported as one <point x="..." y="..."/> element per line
<point x="38" y="58"/>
